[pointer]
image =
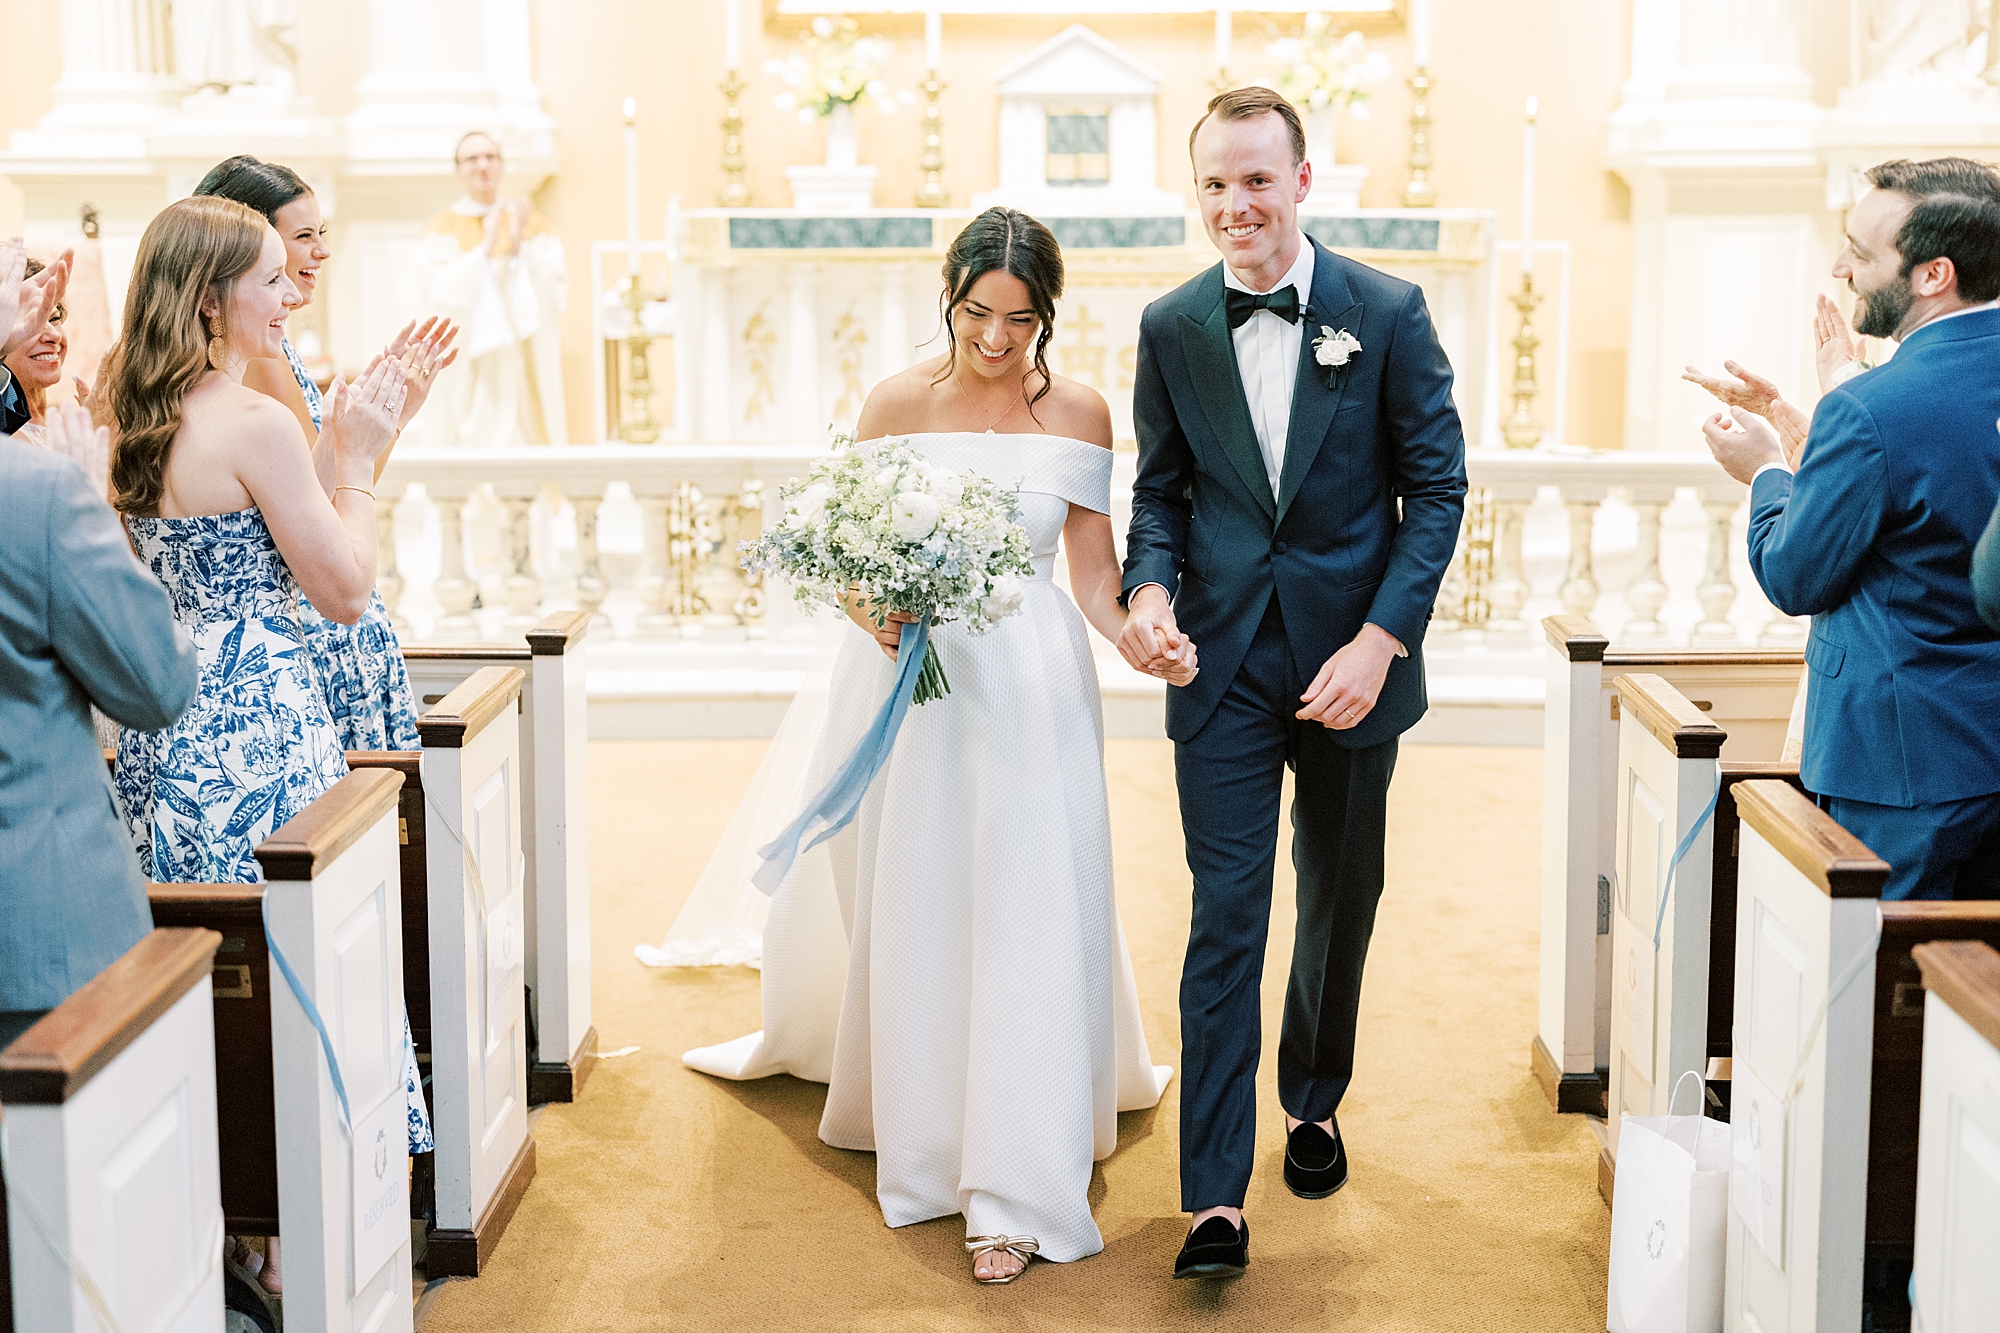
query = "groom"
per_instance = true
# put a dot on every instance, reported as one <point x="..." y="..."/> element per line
<point x="1286" y="401"/>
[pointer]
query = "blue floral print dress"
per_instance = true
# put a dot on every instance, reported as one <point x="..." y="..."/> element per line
<point x="256" y="746"/>
<point x="360" y="665"/>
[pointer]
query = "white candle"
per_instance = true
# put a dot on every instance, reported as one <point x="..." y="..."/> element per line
<point x="1420" y="31"/>
<point x="732" y="35"/>
<point x="631" y="171"/>
<point x="933" y="39"/>
<point x="1222" y="39"/>
<point x="1528" y="189"/>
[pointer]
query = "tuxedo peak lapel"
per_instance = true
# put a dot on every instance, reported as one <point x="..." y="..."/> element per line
<point x="1211" y="364"/>
<point x="1313" y="402"/>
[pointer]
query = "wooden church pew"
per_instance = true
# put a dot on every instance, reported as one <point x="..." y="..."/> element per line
<point x="1958" y="1142"/>
<point x="554" y="726"/>
<point x="474" y="785"/>
<point x="110" y="1118"/>
<point x="1670" y="1006"/>
<point x="287" y="1165"/>
<point x="1829" y="1000"/>
<point x="1748" y="693"/>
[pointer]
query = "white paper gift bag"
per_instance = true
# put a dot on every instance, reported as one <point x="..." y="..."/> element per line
<point x="1669" y="1220"/>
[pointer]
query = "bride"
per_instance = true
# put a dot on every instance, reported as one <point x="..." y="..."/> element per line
<point x="979" y="1031"/>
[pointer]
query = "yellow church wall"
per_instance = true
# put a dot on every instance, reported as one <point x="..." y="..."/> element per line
<point x="1487" y="59"/>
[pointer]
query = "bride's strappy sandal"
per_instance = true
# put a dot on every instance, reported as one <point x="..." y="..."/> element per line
<point x="1023" y="1248"/>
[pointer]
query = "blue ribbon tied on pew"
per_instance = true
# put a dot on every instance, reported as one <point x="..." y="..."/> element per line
<point x="836" y="804"/>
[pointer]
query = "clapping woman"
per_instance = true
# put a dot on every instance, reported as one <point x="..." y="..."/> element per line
<point x="360" y="665"/>
<point x="223" y="503"/>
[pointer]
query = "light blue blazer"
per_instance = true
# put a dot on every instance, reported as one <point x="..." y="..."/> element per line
<point x="81" y="621"/>
<point x="1873" y="539"/>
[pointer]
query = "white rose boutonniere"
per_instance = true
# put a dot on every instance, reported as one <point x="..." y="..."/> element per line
<point x="1333" y="349"/>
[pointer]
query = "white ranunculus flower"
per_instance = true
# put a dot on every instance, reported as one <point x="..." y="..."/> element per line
<point x="889" y="479"/>
<point x="947" y="486"/>
<point x="1003" y="597"/>
<point x="914" y="516"/>
<point x="809" y="505"/>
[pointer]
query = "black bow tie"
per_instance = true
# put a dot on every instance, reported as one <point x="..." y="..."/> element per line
<point x="1284" y="303"/>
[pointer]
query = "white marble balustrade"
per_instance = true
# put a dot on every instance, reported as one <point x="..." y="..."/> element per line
<point x="1648" y="544"/>
<point x="479" y="545"/>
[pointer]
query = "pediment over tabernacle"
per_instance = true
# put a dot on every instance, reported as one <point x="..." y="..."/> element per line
<point x="1077" y="62"/>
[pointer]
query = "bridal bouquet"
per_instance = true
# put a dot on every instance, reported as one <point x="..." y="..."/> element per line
<point x="910" y="536"/>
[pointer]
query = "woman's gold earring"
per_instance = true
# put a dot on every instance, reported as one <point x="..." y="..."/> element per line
<point x="218" y="349"/>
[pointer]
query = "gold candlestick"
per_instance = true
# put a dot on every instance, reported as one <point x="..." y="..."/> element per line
<point x="734" y="193"/>
<point x="638" y="425"/>
<point x="1419" y="193"/>
<point x="932" y="194"/>
<point x="1521" y="430"/>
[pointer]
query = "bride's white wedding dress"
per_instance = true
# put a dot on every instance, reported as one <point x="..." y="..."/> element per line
<point x="951" y="964"/>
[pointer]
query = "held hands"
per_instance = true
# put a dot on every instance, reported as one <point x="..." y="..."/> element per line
<point x="89" y="447"/>
<point x="1152" y="641"/>
<point x="1346" y="688"/>
<point x="1743" y="444"/>
<point x="362" y="416"/>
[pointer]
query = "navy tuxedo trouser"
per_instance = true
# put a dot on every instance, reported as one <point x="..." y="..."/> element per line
<point x="1231" y="776"/>
<point x="1949" y="850"/>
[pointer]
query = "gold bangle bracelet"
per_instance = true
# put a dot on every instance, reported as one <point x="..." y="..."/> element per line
<point x="363" y="489"/>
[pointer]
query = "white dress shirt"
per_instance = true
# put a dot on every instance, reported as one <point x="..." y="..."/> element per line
<point x="1267" y="357"/>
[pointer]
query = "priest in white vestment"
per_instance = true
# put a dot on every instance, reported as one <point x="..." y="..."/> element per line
<point x="495" y="267"/>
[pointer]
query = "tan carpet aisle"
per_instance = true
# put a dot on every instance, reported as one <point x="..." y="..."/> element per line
<point x="667" y="1200"/>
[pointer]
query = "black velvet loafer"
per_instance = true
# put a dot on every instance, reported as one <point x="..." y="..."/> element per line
<point x="1214" y="1249"/>
<point x="1315" y="1161"/>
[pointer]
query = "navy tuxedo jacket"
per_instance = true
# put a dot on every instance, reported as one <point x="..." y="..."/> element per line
<point x="1335" y="544"/>
<point x="1873" y="539"/>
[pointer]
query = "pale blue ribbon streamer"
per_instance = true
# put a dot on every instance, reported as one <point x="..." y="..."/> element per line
<point x="1687" y="843"/>
<point x="840" y="800"/>
<point x="312" y="1013"/>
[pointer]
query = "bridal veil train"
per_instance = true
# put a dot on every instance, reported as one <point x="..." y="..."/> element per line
<point x="951" y="964"/>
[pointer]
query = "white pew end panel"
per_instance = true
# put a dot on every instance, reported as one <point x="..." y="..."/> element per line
<point x="1957" y="1285"/>
<point x="1807" y="927"/>
<point x="111" y="1139"/>
<point x="334" y="901"/>
<point x="478" y="905"/>
<point x="1668" y="756"/>
<point x="1748" y="694"/>
<point x="554" y="724"/>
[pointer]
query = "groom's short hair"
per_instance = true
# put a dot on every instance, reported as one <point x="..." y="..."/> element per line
<point x="1247" y="104"/>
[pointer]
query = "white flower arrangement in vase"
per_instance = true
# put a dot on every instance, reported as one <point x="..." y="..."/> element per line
<point x="833" y="71"/>
<point x="1320" y="69"/>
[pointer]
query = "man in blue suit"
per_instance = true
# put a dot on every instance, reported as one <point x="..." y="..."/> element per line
<point x="1286" y="402"/>
<point x="1874" y="537"/>
<point x="81" y="621"/>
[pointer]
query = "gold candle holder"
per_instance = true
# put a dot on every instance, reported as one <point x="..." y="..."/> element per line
<point x="734" y="193"/>
<point x="932" y="194"/>
<point x="1420" y="193"/>
<point x="1521" y="430"/>
<point x="638" y="425"/>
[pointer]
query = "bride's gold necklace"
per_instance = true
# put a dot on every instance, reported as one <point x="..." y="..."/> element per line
<point x="1005" y="413"/>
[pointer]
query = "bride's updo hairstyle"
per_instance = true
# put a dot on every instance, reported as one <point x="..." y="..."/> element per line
<point x="1004" y="240"/>
<point x="191" y="250"/>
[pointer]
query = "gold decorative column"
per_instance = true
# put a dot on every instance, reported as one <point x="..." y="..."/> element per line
<point x="638" y="425"/>
<point x="932" y="194"/>
<point x="734" y="193"/>
<point x="1419" y="193"/>
<point x="1521" y="430"/>
<point x="1477" y="607"/>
